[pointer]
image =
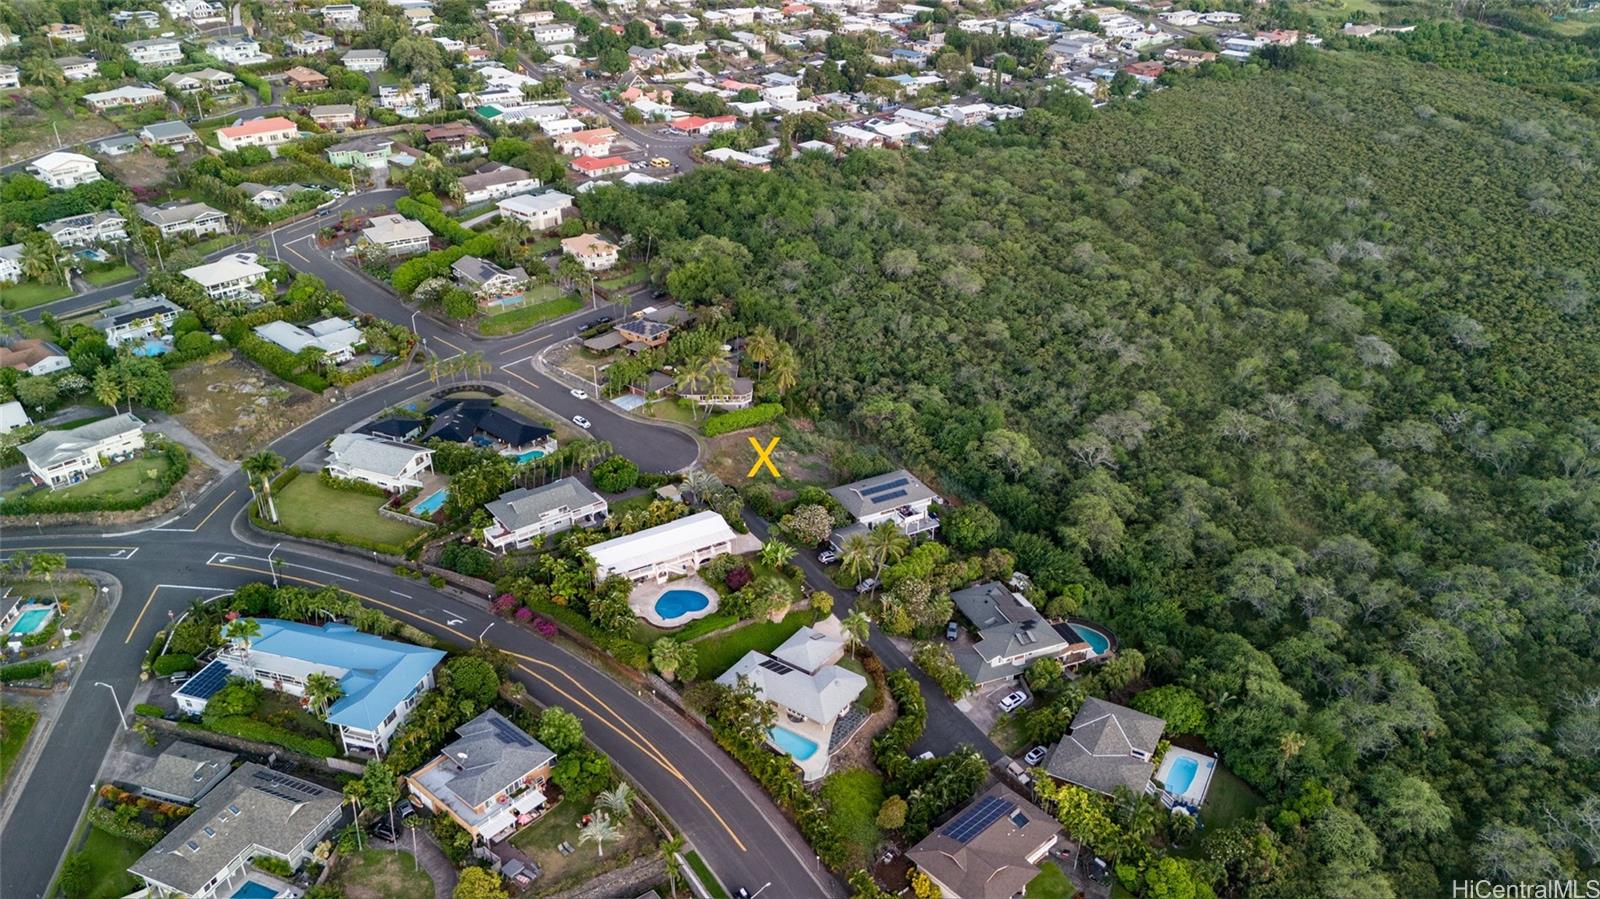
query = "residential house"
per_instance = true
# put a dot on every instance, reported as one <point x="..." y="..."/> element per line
<point x="482" y="423"/>
<point x="117" y="145"/>
<point x="32" y="356"/>
<point x="641" y="334"/>
<point x="184" y="772"/>
<point x="138" y="319"/>
<point x="397" y="235"/>
<point x="522" y="515"/>
<point x="389" y="464"/>
<point x="590" y="142"/>
<point x="489" y="781"/>
<point x="309" y="43"/>
<point x="487" y="280"/>
<point x="394" y="427"/>
<point x="270" y="197"/>
<point x="381" y="679"/>
<point x="194" y="219"/>
<point x="213" y="80"/>
<point x="675" y="548"/>
<point x="333" y="115"/>
<point x="812" y="694"/>
<point x="1146" y="70"/>
<point x="336" y="338"/>
<point x="62" y="458"/>
<point x="851" y="137"/>
<point x="168" y="134"/>
<point x="539" y="212"/>
<point x="254" y="812"/>
<point x="407" y="103"/>
<point x="1011" y="634"/>
<point x="496" y="181"/>
<point x="594" y="252"/>
<point x="11" y="263"/>
<point x="555" y="34"/>
<point x="365" y="60"/>
<point x="61" y="170"/>
<point x="232" y="277"/>
<point x="704" y="126"/>
<point x="739" y="393"/>
<point x="272" y="131"/>
<point x="502" y="8"/>
<point x="239" y="51"/>
<point x="370" y="151"/>
<point x="10" y="76"/>
<point x="202" y="12"/>
<point x="302" y="78"/>
<point x="69" y="32"/>
<point x="78" y="68"/>
<point x="738" y="157"/>
<point x="159" y="51"/>
<point x="599" y="166"/>
<point x="897" y="497"/>
<point x="990" y="850"/>
<point x="13" y="416"/>
<point x="1108" y="746"/>
<point x="460" y="138"/>
<point x="342" y="15"/>
<point x="89" y="228"/>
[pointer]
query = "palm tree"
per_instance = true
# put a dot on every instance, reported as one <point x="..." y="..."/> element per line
<point x="263" y="466"/>
<point x="322" y="691"/>
<point x="599" y="832"/>
<point x="857" y="628"/>
<point x="784" y="370"/>
<point x="761" y="345"/>
<point x="38" y="262"/>
<point x="668" y="850"/>
<point x="855" y="557"/>
<point x="43" y="72"/>
<point x="108" y="390"/>
<point x="700" y="483"/>
<point x="618" y="800"/>
<point x="719" y="382"/>
<point x="46" y="565"/>
<point x="242" y="629"/>
<point x="777" y="553"/>
<point x="354" y="790"/>
<point x="888" y="544"/>
<point x="692" y="375"/>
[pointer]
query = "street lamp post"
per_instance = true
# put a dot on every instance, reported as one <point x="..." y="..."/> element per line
<point x="273" y="565"/>
<point x="414" y="323"/>
<point x="115" y="700"/>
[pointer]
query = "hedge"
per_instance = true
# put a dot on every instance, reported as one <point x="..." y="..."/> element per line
<point x="47" y="502"/>
<point x="351" y="484"/>
<point x="280" y="362"/>
<point x="437" y="222"/>
<point x="407" y="275"/>
<point x="247" y="728"/>
<point x="26" y="670"/>
<point x="739" y="419"/>
<point x="144" y="834"/>
<point x="629" y="652"/>
<point x="149" y="711"/>
<point x="172" y="663"/>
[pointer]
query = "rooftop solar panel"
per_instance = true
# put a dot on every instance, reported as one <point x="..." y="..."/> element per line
<point x="887" y="485"/>
<point x="509" y="732"/>
<point x="977" y="819"/>
<point x="207" y="682"/>
<point x="885" y="497"/>
<point x="776" y="666"/>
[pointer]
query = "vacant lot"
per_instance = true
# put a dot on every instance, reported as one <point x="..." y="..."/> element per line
<point x="800" y="455"/>
<point x="237" y="408"/>
<point x="31" y="293"/>
<point x="377" y="874"/>
<point x="145" y="169"/>
<point x="310" y="508"/>
<point x="16" y="722"/>
<point x="560" y="825"/>
<point x="28" y="130"/>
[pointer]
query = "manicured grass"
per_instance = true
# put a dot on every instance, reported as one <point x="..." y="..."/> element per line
<point x="379" y="874"/>
<point x="1050" y="884"/>
<point x="16" y="722"/>
<point x="559" y="825"/>
<point x="717" y="654"/>
<point x="109" y="857"/>
<point x="628" y="280"/>
<point x="707" y="879"/>
<point x="31" y="293"/>
<point x="528" y="316"/>
<point x="868" y="695"/>
<point x="672" y="410"/>
<point x="1229" y="801"/>
<point x="111" y="275"/>
<point x="126" y="480"/>
<point x="309" y="508"/>
<point x="853" y="798"/>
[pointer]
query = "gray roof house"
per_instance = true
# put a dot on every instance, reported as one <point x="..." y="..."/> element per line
<point x="990" y="850"/>
<point x="184" y="772"/>
<point x="168" y="134"/>
<point x="898" y="496"/>
<point x="1109" y="746"/>
<point x="488" y="779"/>
<point x="1011" y="634"/>
<point x="488" y="279"/>
<point x="255" y="811"/>
<point x="389" y="464"/>
<point x="522" y="515"/>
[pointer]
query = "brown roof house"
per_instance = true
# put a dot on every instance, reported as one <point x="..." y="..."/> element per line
<point x="990" y="850"/>
<point x="1109" y="746"/>
<point x="302" y="78"/>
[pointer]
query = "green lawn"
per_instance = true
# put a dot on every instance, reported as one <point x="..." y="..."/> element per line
<point x="851" y="663"/>
<point x="530" y="315"/>
<point x="109" y="857"/>
<point x="377" y="874"/>
<point x="309" y="508"/>
<point x="1050" y="884"/>
<point x="559" y="825"/>
<point x="628" y="280"/>
<point x="130" y="479"/>
<point x="31" y="293"/>
<point x="853" y="798"/>
<point x="1228" y="801"/>
<point x="16" y="722"/>
<point x="717" y="654"/>
<point x="114" y="275"/>
<point x="707" y="879"/>
<point x="672" y="410"/>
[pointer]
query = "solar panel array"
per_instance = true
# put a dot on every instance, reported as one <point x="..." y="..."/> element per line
<point x="509" y="733"/>
<point x="977" y="819"/>
<point x="207" y="682"/>
<point x="876" y="491"/>
<point x="775" y="666"/>
<point x="285" y="787"/>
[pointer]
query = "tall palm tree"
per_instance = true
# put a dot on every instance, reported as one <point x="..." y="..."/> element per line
<point x="777" y="553"/>
<point x="618" y="800"/>
<point x="761" y="345"/>
<point x="322" y="691"/>
<point x="43" y="72"/>
<point x="242" y="629"/>
<point x="668" y="850"/>
<point x="719" y="382"/>
<point x="692" y="375"/>
<point x="700" y="483"/>
<point x="599" y="832"/>
<point x="108" y="390"/>
<point x="38" y="262"/>
<point x="888" y="545"/>
<point x="264" y="466"/>
<point x="784" y="371"/>
<point x="857" y="628"/>
<point x="855" y="557"/>
<point x="46" y="565"/>
<point x="354" y="791"/>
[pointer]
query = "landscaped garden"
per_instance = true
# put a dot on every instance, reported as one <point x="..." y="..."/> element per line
<point x="380" y="874"/>
<point x="244" y="709"/>
<point x="31" y="293"/>
<point x="115" y="274"/>
<point x="1050" y="883"/>
<point x="308" y="507"/>
<point x="853" y="798"/>
<point x="126" y="485"/>
<point x="719" y="652"/>
<point x="105" y="866"/>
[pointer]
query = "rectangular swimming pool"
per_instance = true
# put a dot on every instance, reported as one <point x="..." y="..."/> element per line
<point x="1185" y="776"/>
<point x="30" y="621"/>
<point x="798" y="747"/>
<point x="431" y="503"/>
<point x="254" y="890"/>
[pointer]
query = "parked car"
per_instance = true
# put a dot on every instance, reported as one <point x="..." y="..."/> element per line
<point x="827" y="557"/>
<point x="870" y="583"/>
<point x="383" y="830"/>
<point x="581" y="422"/>
<point x="1035" y="755"/>
<point x="925" y="756"/>
<point x="1013" y="700"/>
<point x="404" y="809"/>
<point x="951" y="631"/>
<point x="578" y="394"/>
<point x="324" y="212"/>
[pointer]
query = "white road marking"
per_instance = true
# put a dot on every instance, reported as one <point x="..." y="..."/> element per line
<point x="398" y="593"/>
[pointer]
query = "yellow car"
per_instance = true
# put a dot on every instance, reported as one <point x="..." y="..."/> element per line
<point x="661" y="162"/>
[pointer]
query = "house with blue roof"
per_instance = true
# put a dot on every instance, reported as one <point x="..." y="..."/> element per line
<point x="382" y="680"/>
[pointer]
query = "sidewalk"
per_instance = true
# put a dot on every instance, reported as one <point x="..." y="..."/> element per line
<point x="175" y="430"/>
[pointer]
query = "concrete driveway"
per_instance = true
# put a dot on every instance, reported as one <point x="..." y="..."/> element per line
<point x="982" y="707"/>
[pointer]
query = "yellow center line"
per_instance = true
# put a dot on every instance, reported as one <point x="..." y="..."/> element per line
<point x="649" y="749"/>
<point x="216" y="510"/>
<point x="450" y="345"/>
<point x="146" y="608"/>
<point x="520" y="378"/>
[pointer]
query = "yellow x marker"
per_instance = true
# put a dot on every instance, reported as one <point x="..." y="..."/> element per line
<point x="764" y="458"/>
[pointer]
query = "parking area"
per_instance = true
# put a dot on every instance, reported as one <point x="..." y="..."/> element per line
<point x="983" y="705"/>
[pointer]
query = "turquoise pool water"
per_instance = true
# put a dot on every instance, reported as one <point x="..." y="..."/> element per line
<point x="530" y="455"/>
<point x="798" y="747"/>
<point x="1180" y="775"/>
<point x="30" y="621"/>
<point x="254" y="890"/>
<point x="151" y="347"/>
<point x="678" y="603"/>
<point x="431" y="503"/>
<point x="1097" y="641"/>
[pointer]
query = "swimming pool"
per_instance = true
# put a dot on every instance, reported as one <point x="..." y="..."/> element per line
<point x="431" y="503"/>
<point x="796" y="746"/>
<point x="675" y="604"/>
<point x="1098" y="642"/>
<point x="151" y="347"/>
<point x="1181" y="775"/>
<point x="1185" y="776"/>
<point x="529" y="456"/>
<point x="31" y="621"/>
<point x="254" y="890"/>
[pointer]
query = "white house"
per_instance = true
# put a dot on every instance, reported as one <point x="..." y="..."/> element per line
<point x="539" y="212"/>
<point x="336" y="338"/>
<point x="341" y="14"/>
<point x="10" y="76"/>
<point x="86" y="229"/>
<point x="158" y="51"/>
<point x="33" y="356"/>
<point x="61" y="170"/>
<point x="138" y="319"/>
<point x="62" y="458"/>
<point x="496" y="182"/>
<point x="390" y="464"/>
<point x="502" y="7"/>
<point x="194" y="219"/>
<point x="365" y="60"/>
<point x="239" y="51"/>
<point x="127" y="95"/>
<point x="78" y="68"/>
<point x="232" y="277"/>
<point x="418" y="100"/>
<point x="593" y="252"/>
<point x="677" y="547"/>
<point x="12" y="416"/>
<point x="487" y="280"/>
<point x="522" y="515"/>
<point x="309" y="43"/>
<point x="555" y="33"/>
<point x="271" y="131"/>
<point x="11" y="264"/>
<point x="897" y="497"/>
<point x="397" y="235"/>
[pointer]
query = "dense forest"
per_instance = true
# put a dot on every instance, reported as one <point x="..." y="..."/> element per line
<point x="1293" y="375"/>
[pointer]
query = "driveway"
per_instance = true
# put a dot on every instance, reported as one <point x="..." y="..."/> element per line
<point x="982" y="706"/>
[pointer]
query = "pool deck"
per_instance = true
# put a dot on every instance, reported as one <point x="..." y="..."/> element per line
<point x="1194" y="795"/>
<point x="644" y="596"/>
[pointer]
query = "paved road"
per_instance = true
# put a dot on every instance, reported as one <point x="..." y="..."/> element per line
<point x="653" y="144"/>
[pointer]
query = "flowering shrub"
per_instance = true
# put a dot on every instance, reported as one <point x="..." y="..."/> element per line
<point x="504" y="605"/>
<point x="738" y="578"/>
<point x="524" y="614"/>
<point x="544" y="627"/>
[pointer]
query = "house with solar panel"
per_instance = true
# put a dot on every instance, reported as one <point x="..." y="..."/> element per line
<point x="1010" y="635"/>
<point x="898" y="497"/>
<point x="991" y="850"/>
<point x="382" y="680"/>
<point x="254" y="812"/>
<point x="491" y="780"/>
<point x="814" y="697"/>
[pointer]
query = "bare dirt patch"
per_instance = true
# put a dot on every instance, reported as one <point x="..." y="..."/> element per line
<point x="236" y="407"/>
<point x="145" y="169"/>
<point x="28" y="130"/>
<point x="798" y="456"/>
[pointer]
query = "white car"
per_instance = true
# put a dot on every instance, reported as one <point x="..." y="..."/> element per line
<point x="581" y="422"/>
<point x="1013" y="700"/>
<point x="578" y="394"/>
<point x="1035" y="755"/>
